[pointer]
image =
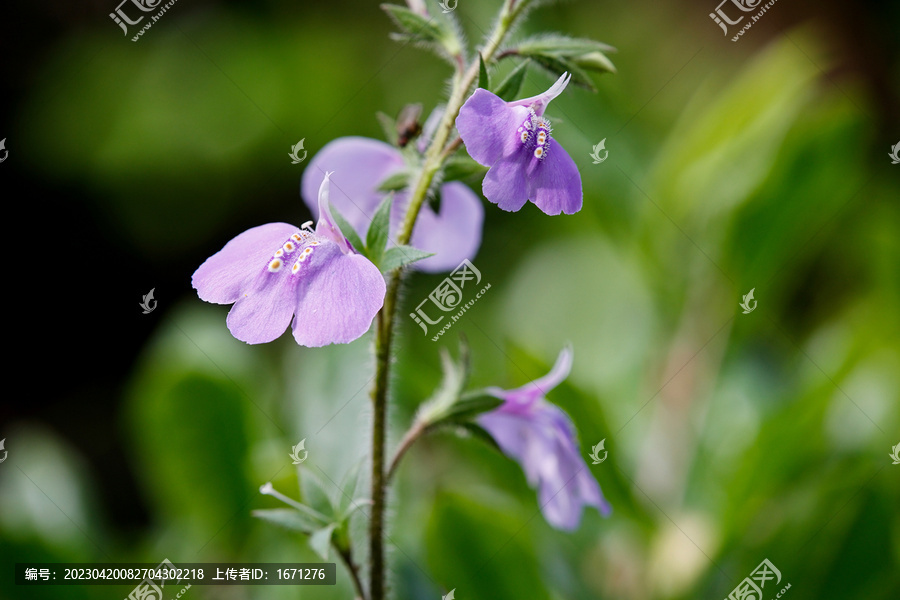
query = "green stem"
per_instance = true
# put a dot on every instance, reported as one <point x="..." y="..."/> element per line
<point x="405" y="444"/>
<point x="384" y="329"/>
<point x="353" y="568"/>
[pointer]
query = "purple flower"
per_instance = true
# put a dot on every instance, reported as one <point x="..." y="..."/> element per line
<point x="362" y="164"/>
<point x="276" y="271"/>
<point x="540" y="436"/>
<point x="513" y="139"/>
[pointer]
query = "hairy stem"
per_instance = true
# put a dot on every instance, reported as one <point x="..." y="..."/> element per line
<point x="354" y="572"/>
<point x="405" y="444"/>
<point x="384" y="330"/>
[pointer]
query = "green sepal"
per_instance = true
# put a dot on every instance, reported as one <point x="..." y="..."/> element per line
<point x="400" y="256"/>
<point x="347" y="230"/>
<point x="484" y="81"/>
<point x="377" y="236"/>
<point x="511" y="85"/>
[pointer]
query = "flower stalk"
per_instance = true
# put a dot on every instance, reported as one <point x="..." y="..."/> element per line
<point x="384" y="331"/>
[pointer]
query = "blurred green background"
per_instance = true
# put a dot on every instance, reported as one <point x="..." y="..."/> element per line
<point x="732" y="438"/>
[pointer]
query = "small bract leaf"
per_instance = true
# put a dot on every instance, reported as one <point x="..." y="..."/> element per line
<point x="394" y="182"/>
<point x="470" y="406"/>
<point x="347" y="230"/>
<point x="400" y="256"/>
<point x="510" y="87"/>
<point x="483" y="80"/>
<point x="289" y="519"/>
<point x="389" y="126"/>
<point x="417" y="26"/>
<point x="461" y="167"/>
<point x="557" y="66"/>
<point x="377" y="236"/>
<point x="555" y="43"/>
<point x="320" y="541"/>
<point x="595" y="61"/>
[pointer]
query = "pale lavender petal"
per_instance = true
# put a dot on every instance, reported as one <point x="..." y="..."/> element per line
<point x="530" y="392"/>
<point x="569" y="485"/>
<point x="555" y="183"/>
<point x="505" y="183"/>
<point x="263" y="311"/>
<point x="359" y="165"/>
<point x="539" y="103"/>
<point x="455" y="234"/>
<point x="516" y="437"/>
<point x="541" y="438"/>
<point x="559" y="495"/>
<point x="338" y="295"/>
<point x="543" y="443"/>
<point x="488" y="126"/>
<point x="232" y="269"/>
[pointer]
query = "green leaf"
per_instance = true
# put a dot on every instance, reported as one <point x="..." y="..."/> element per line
<point x="395" y="182"/>
<point x="289" y="519"/>
<point x="470" y="428"/>
<point x="317" y="494"/>
<point x="347" y="229"/>
<point x="484" y="81"/>
<point x="557" y="66"/>
<point x="347" y="494"/>
<point x="418" y="27"/>
<point x="595" y="61"/>
<point x="472" y="405"/>
<point x="561" y="45"/>
<point x="509" y="88"/>
<point x="400" y="256"/>
<point x="320" y="541"/>
<point x="389" y="126"/>
<point x="434" y="199"/>
<point x="447" y="394"/>
<point x="559" y="54"/>
<point x="438" y="34"/>
<point x="461" y="167"/>
<point x="377" y="236"/>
